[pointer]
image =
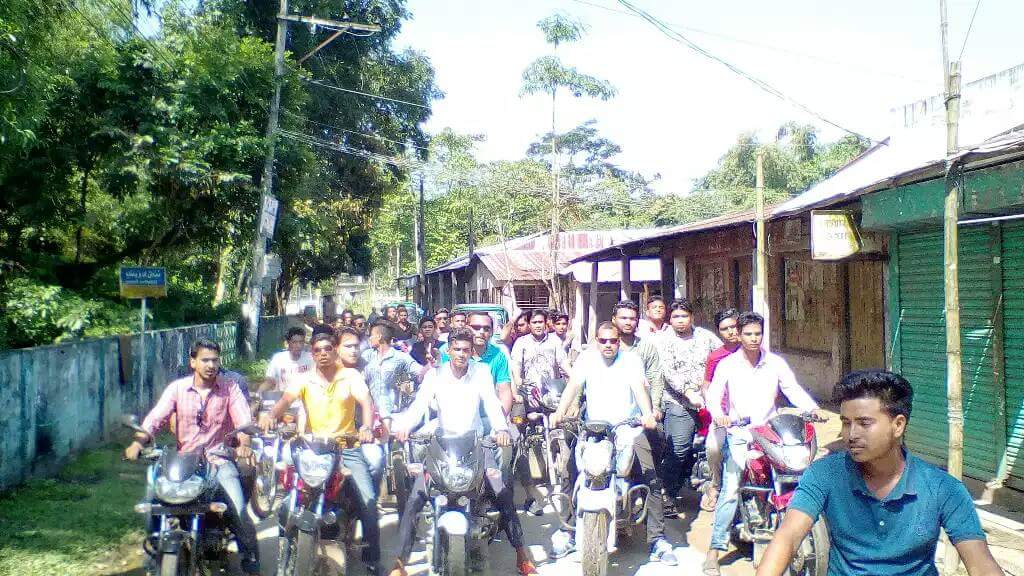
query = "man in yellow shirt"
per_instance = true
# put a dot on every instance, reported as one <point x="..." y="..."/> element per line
<point x="330" y="394"/>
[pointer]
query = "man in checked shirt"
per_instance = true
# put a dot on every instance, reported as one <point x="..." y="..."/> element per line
<point x="207" y="406"/>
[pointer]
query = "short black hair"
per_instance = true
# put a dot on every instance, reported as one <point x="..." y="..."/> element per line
<point x="482" y="314"/>
<point x="681" y="304"/>
<point x="749" y="318"/>
<point x="347" y="331"/>
<point x="346" y="311"/>
<point x="426" y="319"/>
<point x="560" y="316"/>
<point x="387" y="329"/>
<point x="539" y="312"/>
<point x="322" y="329"/>
<point x="455" y="313"/>
<point x="655" y="298"/>
<point x="401" y="307"/>
<point x="202" y="343"/>
<point x="625" y="305"/>
<point x="725" y="314"/>
<point x="294" y="331"/>
<point x="464" y="334"/>
<point x="892" y="390"/>
<point x="440" y="310"/>
<point x="356" y="316"/>
<point x="321" y="336"/>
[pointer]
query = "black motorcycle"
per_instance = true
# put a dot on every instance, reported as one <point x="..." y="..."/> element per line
<point x="542" y="455"/>
<point x="461" y="522"/>
<point x="186" y="530"/>
<point x="267" y="484"/>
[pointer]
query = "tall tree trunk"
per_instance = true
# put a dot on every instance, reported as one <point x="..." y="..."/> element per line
<point x="554" y="297"/>
<point x="222" y="272"/>
<point x="82" y="212"/>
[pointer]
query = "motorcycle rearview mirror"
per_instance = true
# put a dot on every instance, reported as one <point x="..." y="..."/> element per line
<point x="251" y="430"/>
<point x="132" y="421"/>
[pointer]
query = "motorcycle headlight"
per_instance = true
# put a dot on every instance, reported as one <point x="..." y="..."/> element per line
<point x="457" y="478"/>
<point x="314" y="468"/>
<point x="597" y="458"/>
<point x="172" y="492"/>
<point x="796" y="458"/>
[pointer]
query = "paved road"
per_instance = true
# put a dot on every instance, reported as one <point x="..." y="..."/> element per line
<point x="690" y="536"/>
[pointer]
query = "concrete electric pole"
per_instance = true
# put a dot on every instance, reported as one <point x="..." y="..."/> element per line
<point x="265" y="220"/>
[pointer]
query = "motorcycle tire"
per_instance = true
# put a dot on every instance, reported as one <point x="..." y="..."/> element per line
<point x="594" y="544"/>
<point x="306" y="556"/>
<point x="286" y="555"/>
<point x="176" y="564"/>
<point x="401" y="481"/>
<point x="454" y="560"/>
<point x="811" y="557"/>
<point x="264" y="499"/>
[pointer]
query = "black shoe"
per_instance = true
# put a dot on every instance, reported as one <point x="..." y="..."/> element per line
<point x="670" y="508"/>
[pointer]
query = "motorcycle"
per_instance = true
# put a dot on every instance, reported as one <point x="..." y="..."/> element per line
<point x="186" y="531"/>
<point x="270" y="470"/>
<point x="313" y="511"/>
<point x="541" y="454"/>
<point x="778" y="453"/>
<point x="398" y="479"/>
<point x="459" y="520"/>
<point x="607" y="501"/>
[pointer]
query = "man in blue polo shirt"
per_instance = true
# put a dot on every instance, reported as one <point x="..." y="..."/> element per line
<point x="883" y="506"/>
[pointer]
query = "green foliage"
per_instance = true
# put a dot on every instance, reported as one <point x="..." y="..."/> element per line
<point x="36" y="312"/>
<point x="121" y="149"/>
<point x="547" y="75"/>
<point x="559" y="28"/>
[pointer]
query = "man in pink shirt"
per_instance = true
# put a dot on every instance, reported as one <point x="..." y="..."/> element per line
<point x="725" y="321"/>
<point x="752" y="377"/>
<point x="206" y="407"/>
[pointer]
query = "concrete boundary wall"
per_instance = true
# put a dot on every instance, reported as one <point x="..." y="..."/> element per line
<point x="60" y="399"/>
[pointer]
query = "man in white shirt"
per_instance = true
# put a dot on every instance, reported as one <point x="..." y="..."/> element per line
<point x="615" y="386"/>
<point x="288" y="363"/>
<point x="753" y="378"/>
<point x="655" y="321"/>
<point x="459" y="388"/>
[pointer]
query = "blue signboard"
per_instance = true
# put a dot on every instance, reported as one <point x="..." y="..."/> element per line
<point x="143" y="282"/>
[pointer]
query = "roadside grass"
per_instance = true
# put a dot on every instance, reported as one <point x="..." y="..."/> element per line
<point x="76" y="522"/>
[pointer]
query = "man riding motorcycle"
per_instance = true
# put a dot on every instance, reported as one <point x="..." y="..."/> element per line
<point x="330" y="395"/>
<point x="460" y="388"/>
<point x="207" y="406"/>
<point x="614" y="384"/>
<point x="753" y="377"/>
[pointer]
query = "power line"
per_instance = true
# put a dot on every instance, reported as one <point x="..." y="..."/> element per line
<point x="678" y="37"/>
<point x="367" y="94"/>
<point x="377" y="136"/>
<point x="770" y="47"/>
<point x="338" y="147"/>
<point x="969" y="27"/>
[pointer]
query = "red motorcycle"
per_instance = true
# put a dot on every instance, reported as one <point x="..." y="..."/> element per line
<point x="778" y="453"/>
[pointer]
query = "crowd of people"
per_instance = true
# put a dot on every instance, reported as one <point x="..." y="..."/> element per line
<point x="377" y="375"/>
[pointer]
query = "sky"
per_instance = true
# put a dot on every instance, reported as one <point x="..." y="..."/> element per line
<point x="677" y="112"/>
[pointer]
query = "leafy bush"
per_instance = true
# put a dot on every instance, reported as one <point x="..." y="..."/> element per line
<point x="38" y="313"/>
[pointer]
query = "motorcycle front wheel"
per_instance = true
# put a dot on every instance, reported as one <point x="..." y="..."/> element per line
<point x="177" y="564"/>
<point x="264" y="490"/>
<point x="594" y="544"/>
<point x="811" y="558"/>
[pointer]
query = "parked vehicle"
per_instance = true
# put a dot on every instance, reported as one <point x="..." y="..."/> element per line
<point x="314" y="510"/>
<point x="608" y="501"/>
<point x="778" y="453"/>
<point x="186" y="531"/>
<point x="541" y="455"/>
<point x="460" y="524"/>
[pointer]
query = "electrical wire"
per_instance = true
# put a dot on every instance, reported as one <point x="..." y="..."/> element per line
<point x="366" y="94"/>
<point x="969" y="28"/>
<point x="678" y="37"/>
<point x="338" y="147"/>
<point x="770" y="47"/>
<point x="377" y="136"/>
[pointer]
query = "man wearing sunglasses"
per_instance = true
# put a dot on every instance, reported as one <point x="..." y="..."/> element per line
<point x="616" y="389"/>
<point x="330" y="395"/>
<point x="206" y="407"/>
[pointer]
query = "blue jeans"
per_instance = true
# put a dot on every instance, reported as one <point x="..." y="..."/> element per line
<point x="353" y="459"/>
<point x="237" y="518"/>
<point x="680" y="427"/>
<point x="375" y="455"/>
<point x="734" y="454"/>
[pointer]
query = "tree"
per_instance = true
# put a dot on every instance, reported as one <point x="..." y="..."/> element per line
<point x="547" y="75"/>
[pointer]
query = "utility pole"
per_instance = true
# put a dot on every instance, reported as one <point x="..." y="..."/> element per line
<point x="951" y="278"/>
<point x="252" y="310"/>
<point x="761" y="255"/>
<point x="421" y="259"/>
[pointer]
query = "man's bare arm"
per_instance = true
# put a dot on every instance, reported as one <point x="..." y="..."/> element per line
<point x="795" y="526"/>
<point x="978" y="558"/>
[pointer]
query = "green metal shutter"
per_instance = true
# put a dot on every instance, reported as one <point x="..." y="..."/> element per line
<point x="922" y="346"/>
<point x="1013" y="319"/>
